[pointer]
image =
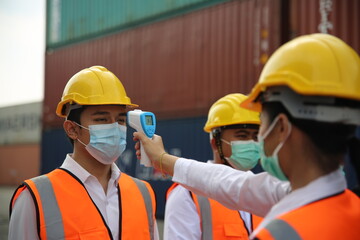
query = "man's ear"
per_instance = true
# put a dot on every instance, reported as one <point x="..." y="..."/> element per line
<point x="284" y="126"/>
<point x="213" y="145"/>
<point x="71" y="129"/>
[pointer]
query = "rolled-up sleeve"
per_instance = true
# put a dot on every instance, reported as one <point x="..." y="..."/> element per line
<point x="238" y="190"/>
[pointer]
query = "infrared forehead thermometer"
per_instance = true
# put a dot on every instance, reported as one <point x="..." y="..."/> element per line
<point x="144" y="122"/>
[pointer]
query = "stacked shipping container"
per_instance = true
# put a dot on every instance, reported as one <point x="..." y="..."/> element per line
<point x="69" y="21"/>
<point x="20" y="131"/>
<point x="336" y="17"/>
<point x="175" y="58"/>
<point x="193" y="59"/>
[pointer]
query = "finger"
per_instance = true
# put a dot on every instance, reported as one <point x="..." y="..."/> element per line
<point x="139" y="136"/>
<point x="137" y="145"/>
<point x="138" y="155"/>
<point x="157" y="139"/>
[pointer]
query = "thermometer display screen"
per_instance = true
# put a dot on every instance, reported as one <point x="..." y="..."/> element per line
<point x="149" y="120"/>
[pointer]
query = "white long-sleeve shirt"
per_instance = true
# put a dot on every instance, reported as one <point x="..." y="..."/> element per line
<point x="182" y="221"/>
<point x="22" y="224"/>
<point x="260" y="194"/>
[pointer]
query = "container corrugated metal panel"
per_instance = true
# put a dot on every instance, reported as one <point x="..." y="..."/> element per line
<point x="70" y="21"/>
<point x="19" y="162"/>
<point x="176" y="68"/>
<point x="184" y="138"/>
<point x="20" y="123"/>
<point x="337" y="17"/>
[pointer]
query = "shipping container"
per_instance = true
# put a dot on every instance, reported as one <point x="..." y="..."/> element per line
<point x="179" y="67"/>
<point x="73" y="21"/>
<point x="20" y="124"/>
<point x="337" y="17"/>
<point x="20" y="131"/>
<point x="183" y="138"/>
<point x="19" y="162"/>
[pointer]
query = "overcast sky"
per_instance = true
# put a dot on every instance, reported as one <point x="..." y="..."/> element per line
<point x="22" y="47"/>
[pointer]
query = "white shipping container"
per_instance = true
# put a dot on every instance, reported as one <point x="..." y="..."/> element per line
<point x="20" y="124"/>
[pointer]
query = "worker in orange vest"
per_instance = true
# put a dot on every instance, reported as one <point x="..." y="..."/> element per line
<point x="88" y="197"/>
<point x="309" y="97"/>
<point x="233" y="138"/>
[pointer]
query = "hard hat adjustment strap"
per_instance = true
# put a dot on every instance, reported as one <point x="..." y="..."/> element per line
<point x="241" y="126"/>
<point x="68" y="107"/>
<point x="318" y="108"/>
<point x="217" y="136"/>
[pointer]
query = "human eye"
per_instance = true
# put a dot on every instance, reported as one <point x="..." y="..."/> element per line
<point x="242" y="135"/>
<point x="122" y="121"/>
<point x="255" y="136"/>
<point x="101" y="120"/>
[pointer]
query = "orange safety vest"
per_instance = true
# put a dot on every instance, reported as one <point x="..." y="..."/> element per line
<point x="217" y="221"/>
<point x="65" y="210"/>
<point x="334" y="217"/>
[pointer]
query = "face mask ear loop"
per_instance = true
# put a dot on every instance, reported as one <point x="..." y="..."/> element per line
<point x="81" y="126"/>
<point x="81" y="142"/>
<point x="277" y="149"/>
<point x="225" y="159"/>
<point x="272" y="125"/>
<point x="223" y="140"/>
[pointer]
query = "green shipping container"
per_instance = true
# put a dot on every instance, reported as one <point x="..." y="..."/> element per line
<point x="70" y="21"/>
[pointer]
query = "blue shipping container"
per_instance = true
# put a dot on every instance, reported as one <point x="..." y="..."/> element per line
<point x="182" y="137"/>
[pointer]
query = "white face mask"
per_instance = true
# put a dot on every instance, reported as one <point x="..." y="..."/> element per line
<point x="107" y="142"/>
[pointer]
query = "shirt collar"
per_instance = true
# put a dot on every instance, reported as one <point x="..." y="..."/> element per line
<point x="71" y="165"/>
<point x="320" y="188"/>
<point x="115" y="173"/>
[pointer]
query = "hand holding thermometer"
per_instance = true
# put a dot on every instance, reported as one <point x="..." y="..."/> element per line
<point x="144" y="122"/>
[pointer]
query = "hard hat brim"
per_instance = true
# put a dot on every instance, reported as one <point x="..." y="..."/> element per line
<point x="62" y="104"/>
<point x="251" y="102"/>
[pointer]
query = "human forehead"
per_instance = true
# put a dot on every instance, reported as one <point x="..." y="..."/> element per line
<point x="105" y="110"/>
<point x="239" y="130"/>
<point x="264" y="117"/>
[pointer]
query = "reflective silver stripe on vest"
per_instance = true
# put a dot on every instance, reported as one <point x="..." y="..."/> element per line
<point x="281" y="230"/>
<point x="148" y="204"/>
<point x="206" y="219"/>
<point x="52" y="215"/>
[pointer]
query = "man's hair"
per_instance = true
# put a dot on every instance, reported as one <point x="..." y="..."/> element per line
<point x="331" y="139"/>
<point x="74" y="116"/>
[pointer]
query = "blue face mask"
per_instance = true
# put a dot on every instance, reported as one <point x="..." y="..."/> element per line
<point x="244" y="154"/>
<point x="107" y="142"/>
<point x="271" y="164"/>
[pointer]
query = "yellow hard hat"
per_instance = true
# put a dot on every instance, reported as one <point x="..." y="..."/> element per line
<point x="227" y="111"/>
<point x="93" y="86"/>
<point x="311" y="65"/>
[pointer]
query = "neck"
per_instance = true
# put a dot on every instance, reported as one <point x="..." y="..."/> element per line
<point x="301" y="159"/>
<point x="305" y="167"/>
<point x="217" y="159"/>
<point x="100" y="171"/>
<point x="303" y="176"/>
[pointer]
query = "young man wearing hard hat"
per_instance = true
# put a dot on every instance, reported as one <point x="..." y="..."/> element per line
<point x="309" y="98"/>
<point x="88" y="197"/>
<point x="233" y="138"/>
